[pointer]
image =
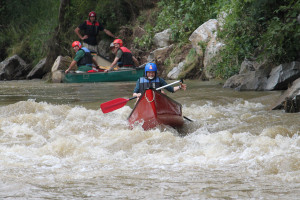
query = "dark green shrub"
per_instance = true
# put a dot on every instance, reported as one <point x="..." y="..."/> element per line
<point x="265" y="29"/>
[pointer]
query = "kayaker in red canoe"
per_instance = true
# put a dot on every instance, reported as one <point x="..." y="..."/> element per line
<point x="151" y="80"/>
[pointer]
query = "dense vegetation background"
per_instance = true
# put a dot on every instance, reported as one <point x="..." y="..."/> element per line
<point x="253" y="28"/>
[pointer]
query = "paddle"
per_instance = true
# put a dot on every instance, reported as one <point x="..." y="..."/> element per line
<point x="114" y="104"/>
<point x="188" y="119"/>
<point x="120" y="102"/>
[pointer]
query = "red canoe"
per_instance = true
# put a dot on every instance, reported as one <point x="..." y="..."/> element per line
<point x="154" y="108"/>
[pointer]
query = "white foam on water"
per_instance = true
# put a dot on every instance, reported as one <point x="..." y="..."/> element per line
<point x="47" y="144"/>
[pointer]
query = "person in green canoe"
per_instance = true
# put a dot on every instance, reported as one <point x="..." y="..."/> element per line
<point x="151" y="80"/>
<point x="124" y="57"/>
<point x="83" y="59"/>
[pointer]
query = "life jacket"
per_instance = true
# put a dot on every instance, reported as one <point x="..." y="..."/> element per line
<point x="87" y="59"/>
<point x="92" y="29"/>
<point x="126" y="58"/>
<point x="146" y="84"/>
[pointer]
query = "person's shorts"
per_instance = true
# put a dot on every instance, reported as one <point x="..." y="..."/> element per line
<point x="91" y="47"/>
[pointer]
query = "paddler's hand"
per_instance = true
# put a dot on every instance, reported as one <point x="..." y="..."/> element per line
<point x="67" y="70"/>
<point x="137" y="95"/>
<point x="182" y="86"/>
<point x="85" y="37"/>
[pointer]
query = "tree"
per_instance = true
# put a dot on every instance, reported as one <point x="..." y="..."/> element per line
<point x="54" y="44"/>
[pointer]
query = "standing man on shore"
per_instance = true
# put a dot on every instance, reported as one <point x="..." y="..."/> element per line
<point x="91" y="28"/>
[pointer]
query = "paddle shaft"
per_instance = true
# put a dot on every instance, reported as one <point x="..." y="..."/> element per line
<point x="162" y="87"/>
<point x="188" y="119"/>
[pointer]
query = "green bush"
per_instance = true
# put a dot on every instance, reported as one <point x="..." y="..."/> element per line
<point x="28" y="25"/>
<point x="265" y="29"/>
<point x="183" y="17"/>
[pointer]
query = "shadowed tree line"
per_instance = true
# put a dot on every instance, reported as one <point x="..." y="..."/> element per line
<point x="36" y="28"/>
<point x="260" y="29"/>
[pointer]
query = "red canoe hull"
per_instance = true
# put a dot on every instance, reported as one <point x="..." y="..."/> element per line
<point x="155" y="108"/>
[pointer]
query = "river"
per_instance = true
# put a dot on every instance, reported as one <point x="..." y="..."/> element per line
<point x="55" y="143"/>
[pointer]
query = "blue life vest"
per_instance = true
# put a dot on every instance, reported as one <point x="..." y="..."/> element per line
<point x="87" y="59"/>
<point x="146" y="84"/>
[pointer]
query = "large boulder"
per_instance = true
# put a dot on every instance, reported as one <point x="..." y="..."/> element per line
<point x="38" y="71"/>
<point x="290" y="93"/>
<point x="211" y="56"/>
<point x="159" y="56"/>
<point x="203" y="34"/>
<point x="61" y="63"/>
<point x="189" y="65"/>
<point x="283" y="75"/>
<point x="204" y="41"/>
<point x="13" y="68"/>
<point x="58" y="69"/>
<point x="252" y="76"/>
<point x="174" y="73"/>
<point x="162" y="39"/>
<point x="104" y="49"/>
<point x="247" y="66"/>
<point x="263" y="76"/>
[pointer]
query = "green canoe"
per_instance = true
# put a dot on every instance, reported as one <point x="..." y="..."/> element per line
<point x="112" y="76"/>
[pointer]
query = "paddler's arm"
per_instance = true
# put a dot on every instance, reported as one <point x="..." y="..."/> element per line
<point x="79" y="55"/>
<point x="107" y="32"/>
<point x="181" y="86"/>
<point x="136" y="62"/>
<point x="95" y="62"/>
<point x="77" y="29"/>
<point x="136" y="91"/>
<point x="170" y="88"/>
<point x="112" y="66"/>
<point x="73" y="63"/>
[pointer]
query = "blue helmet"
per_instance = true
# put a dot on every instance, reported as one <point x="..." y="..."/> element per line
<point x="150" y="67"/>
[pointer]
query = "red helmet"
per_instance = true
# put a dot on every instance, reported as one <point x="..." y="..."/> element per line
<point x="76" y="43"/>
<point x="92" y="14"/>
<point x="118" y="41"/>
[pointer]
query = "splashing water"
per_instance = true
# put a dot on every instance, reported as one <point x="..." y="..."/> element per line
<point x="235" y="148"/>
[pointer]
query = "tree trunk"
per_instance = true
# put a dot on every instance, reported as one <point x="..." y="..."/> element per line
<point x="131" y="7"/>
<point x="54" y="49"/>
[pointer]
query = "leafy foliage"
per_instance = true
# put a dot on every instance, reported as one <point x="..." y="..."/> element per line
<point x="265" y="29"/>
<point x="182" y="17"/>
<point x="25" y="26"/>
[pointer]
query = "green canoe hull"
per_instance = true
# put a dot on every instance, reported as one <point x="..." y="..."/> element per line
<point x="112" y="76"/>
